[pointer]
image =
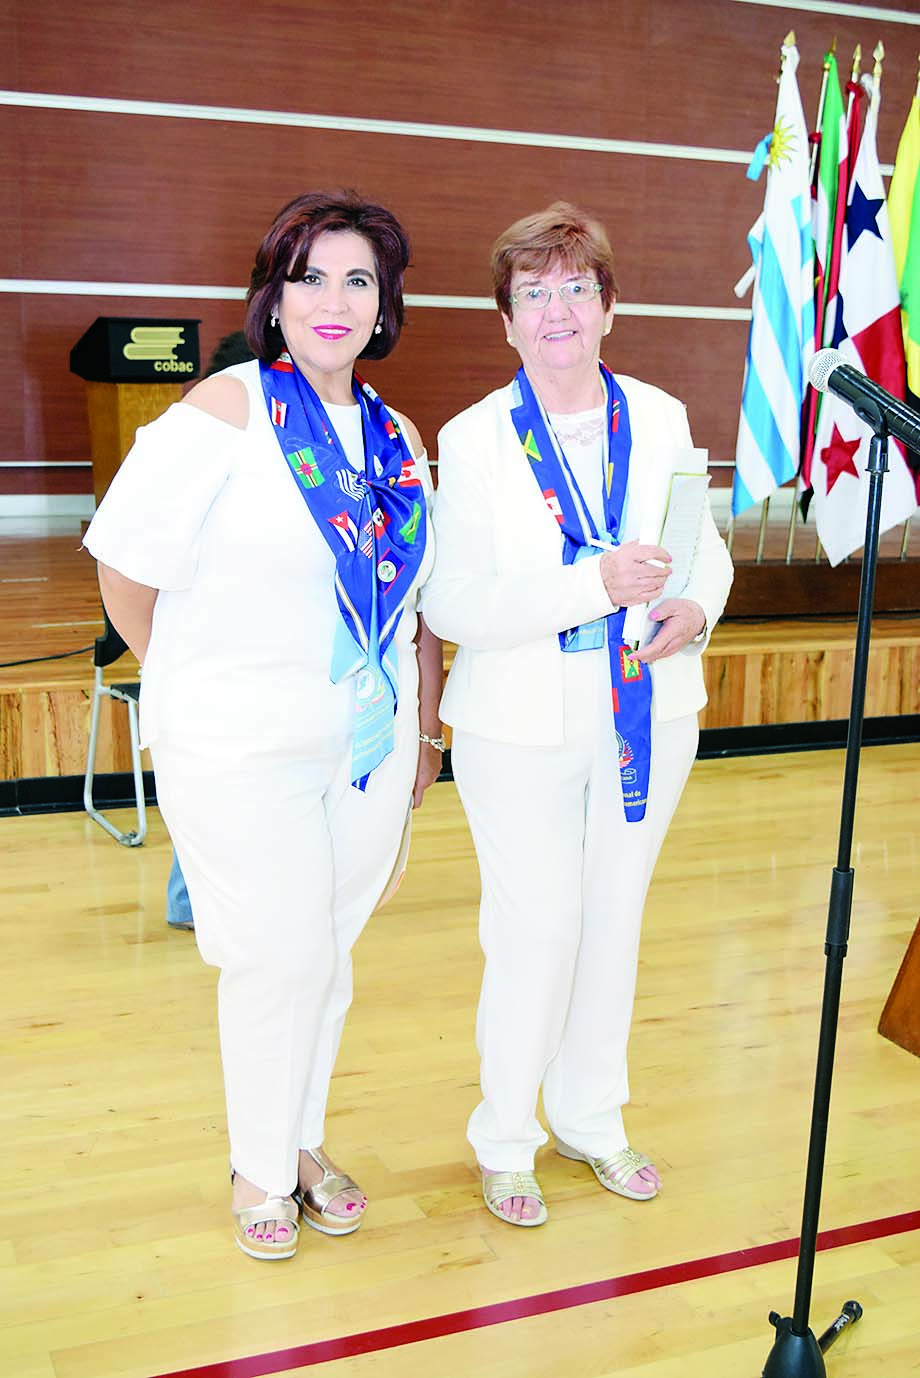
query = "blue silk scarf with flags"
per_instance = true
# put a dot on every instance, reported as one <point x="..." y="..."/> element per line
<point x="630" y="682"/>
<point x="375" y="524"/>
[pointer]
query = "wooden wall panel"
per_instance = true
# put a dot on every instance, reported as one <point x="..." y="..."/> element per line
<point x="446" y="359"/>
<point x="665" y="70"/>
<point x="138" y="203"/>
<point x="48" y="479"/>
<point x="109" y="197"/>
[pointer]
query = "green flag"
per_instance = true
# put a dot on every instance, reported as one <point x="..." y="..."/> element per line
<point x="833" y="150"/>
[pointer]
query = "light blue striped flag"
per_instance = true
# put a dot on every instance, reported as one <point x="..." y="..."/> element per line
<point x="781" y="339"/>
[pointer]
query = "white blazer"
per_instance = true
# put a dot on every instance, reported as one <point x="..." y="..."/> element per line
<point x="499" y="588"/>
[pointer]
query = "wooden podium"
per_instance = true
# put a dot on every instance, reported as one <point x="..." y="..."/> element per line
<point x="900" y="1021"/>
<point x="134" y="368"/>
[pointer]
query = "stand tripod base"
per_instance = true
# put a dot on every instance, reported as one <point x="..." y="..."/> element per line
<point x="793" y="1356"/>
<point x="800" y="1356"/>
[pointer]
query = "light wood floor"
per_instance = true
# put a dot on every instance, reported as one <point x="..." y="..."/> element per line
<point x="115" y="1252"/>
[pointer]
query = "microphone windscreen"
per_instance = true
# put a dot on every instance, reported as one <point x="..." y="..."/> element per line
<point x="822" y="366"/>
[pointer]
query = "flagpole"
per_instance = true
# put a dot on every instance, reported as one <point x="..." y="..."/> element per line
<point x="809" y="411"/>
<point x="843" y="191"/>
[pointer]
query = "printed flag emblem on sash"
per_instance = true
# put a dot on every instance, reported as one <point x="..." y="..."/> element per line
<point x="306" y="468"/>
<point x="408" y="476"/>
<point x="532" y="449"/>
<point x="346" y="528"/>
<point x="626" y="758"/>
<point x="553" y="503"/>
<point x="410" y="530"/>
<point x="352" y="485"/>
<point x="279" y="412"/>
<point x="374" y="530"/>
<point x="615" y="417"/>
<point x="389" y="569"/>
<point x="630" y="668"/>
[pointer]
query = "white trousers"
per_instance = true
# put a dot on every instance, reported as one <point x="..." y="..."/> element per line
<point x="564" y="880"/>
<point x="284" y="862"/>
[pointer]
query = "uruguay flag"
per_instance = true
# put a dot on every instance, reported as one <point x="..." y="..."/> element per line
<point x="781" y="339"/>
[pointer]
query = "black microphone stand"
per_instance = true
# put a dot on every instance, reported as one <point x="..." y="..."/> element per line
<point x="796" y="1353"/>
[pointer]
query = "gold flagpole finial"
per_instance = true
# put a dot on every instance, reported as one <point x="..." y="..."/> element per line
<point x="788" y="42"/>
<point x="879" y="54"/>
<point x="857" y="62"/>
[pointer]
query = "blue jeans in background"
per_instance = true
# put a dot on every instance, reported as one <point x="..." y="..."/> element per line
<point x="178" y="906"/>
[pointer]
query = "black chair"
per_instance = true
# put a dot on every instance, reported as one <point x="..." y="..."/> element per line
<point x="107" y="650"/>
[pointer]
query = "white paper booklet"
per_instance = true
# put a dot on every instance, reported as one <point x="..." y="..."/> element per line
<point x="671" y="515"/>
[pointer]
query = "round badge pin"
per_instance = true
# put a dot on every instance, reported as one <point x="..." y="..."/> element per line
<point x="386" y="571"/>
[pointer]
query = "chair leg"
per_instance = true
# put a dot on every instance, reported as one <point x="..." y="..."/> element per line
<point x="129" y="839"/>
<point x="134" y="730"/>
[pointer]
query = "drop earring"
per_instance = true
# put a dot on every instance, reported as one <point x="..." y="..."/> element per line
<point x="274" y="319"/>
<point x="378" y="329"/>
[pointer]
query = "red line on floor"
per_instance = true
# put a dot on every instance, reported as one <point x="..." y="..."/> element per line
<point x="543" y="1303"/>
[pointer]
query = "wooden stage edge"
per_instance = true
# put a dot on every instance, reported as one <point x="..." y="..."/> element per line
<point x="772" y="676"/>
<point x="113" y="790"/>
<point x="759" y="675"/>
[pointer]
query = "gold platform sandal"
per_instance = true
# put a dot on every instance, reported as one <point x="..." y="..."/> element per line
<point x="314" y="1201"/>
<point x="615" y="1171"/>
<point x="498" y="1186"/>
<point x="248" y="1218"/>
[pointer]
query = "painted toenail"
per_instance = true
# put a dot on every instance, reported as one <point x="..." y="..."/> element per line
<point x="250" y="1230"/>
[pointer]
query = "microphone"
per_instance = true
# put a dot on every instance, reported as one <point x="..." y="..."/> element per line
<point x="830" y="372"/>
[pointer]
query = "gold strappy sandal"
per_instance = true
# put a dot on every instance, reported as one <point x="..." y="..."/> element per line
<point x="498" y="1186"/>
<point x="248" y="1217"/>
<point x="614" y="1172"/>
<point x="314" y="1201"/>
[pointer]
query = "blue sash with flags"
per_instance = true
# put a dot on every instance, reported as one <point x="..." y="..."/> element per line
<point x="375" y="524"/>
<point x="630" y="682"/>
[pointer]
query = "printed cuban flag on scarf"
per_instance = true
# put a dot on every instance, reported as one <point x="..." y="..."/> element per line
<point x="781" y="338"/>
<point x="630" y="681"/>
<point x="375" y="524"/>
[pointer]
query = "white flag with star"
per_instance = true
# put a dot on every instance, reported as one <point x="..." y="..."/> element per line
<point x="867" y="332"/>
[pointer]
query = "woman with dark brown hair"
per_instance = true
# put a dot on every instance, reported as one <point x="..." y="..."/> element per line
<point x="261" y="550"/>
<point x="570" y="749"/>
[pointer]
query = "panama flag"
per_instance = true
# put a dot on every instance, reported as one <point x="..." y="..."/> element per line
<point x="867" y="332"/>
<point x="781" y="339"/>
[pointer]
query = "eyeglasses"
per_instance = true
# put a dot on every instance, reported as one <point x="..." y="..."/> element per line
<point x="537" y="298"/>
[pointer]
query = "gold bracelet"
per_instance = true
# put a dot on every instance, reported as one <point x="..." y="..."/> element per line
<point x="438" y="743"/>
